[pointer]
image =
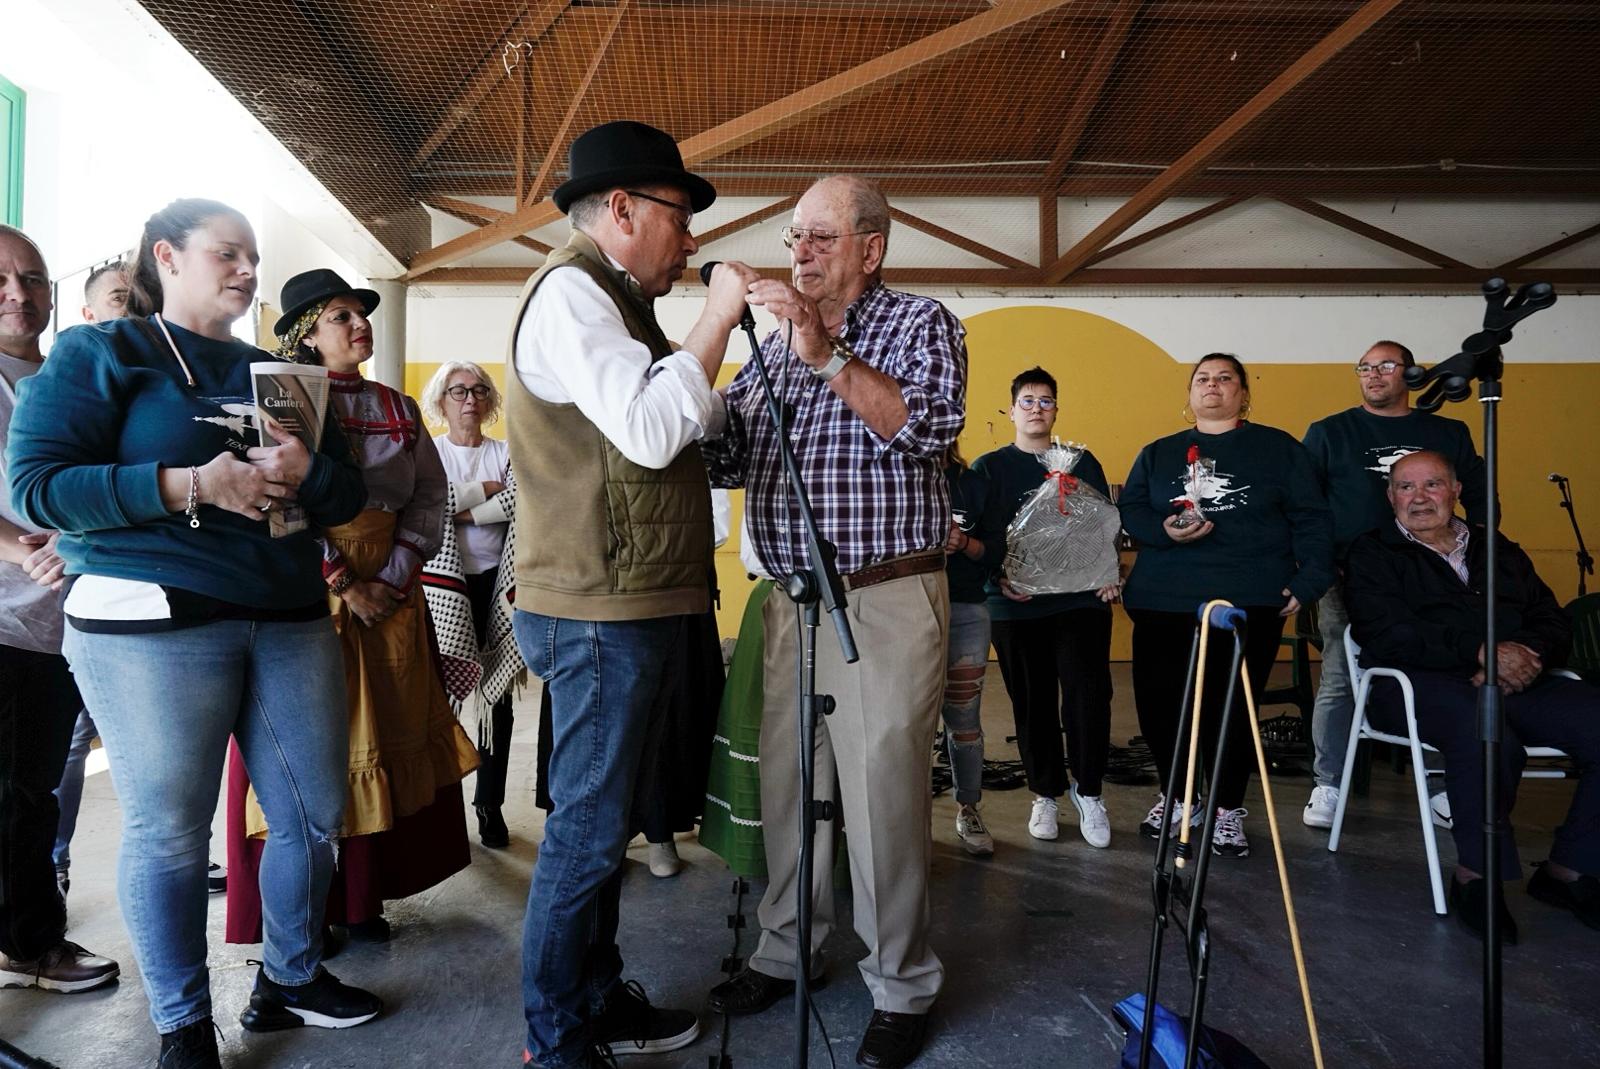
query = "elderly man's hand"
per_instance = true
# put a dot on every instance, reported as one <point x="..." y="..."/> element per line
<point x="810" y="340"/>
<point x="1516" y="665"/>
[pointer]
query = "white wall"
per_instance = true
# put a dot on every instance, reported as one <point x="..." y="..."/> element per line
<point x="472" y="323"/>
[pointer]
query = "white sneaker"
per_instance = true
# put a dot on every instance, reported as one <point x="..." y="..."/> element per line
<point x="1440" y="804"/>
<point x="973" y="834"/>
<point x="1227" y="837"/>
<point x="1093" y="822"/>
<point x="664" y="860"/>
<point x="1319" y="810"/>
<point x="1150" y="826"/>
<point x="1042" y="824"/>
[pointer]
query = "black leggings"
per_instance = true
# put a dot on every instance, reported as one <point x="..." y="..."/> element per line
<point x="1161" y="642"/>
<point x="490" y="791"/>
<point x="1057" y="670"/>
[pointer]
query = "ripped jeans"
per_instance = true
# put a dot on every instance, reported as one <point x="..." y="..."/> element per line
<point x="966" y="659"/>
<point x="165" y="704"/>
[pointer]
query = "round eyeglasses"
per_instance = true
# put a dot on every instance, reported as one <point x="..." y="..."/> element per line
<point x="458" y="392"/>
<point x="1045" y="404"/>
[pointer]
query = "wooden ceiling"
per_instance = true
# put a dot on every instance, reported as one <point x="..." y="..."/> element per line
<point x="394" y="104"/>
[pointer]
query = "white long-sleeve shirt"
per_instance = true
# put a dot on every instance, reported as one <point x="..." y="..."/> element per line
<point x="573" y="347"/>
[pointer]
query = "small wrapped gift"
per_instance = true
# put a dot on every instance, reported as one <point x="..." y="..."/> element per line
<point x="1197" y="471"/>
<point x="1064" y="537"/>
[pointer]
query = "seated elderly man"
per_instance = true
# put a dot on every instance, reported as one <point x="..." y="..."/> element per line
<point x="1415" y="594"/>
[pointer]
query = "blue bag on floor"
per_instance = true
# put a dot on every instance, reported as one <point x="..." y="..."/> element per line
<point x="1217" y="1050"/>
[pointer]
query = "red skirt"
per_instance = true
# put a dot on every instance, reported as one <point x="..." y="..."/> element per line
<point x="421" y="850"/>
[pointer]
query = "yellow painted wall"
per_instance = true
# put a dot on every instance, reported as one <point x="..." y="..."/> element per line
<point x="1119" y="391"/>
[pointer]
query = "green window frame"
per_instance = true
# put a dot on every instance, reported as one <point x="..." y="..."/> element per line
<point x="13" y="110"/>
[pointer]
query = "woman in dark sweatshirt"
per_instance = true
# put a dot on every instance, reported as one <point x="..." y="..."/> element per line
<point x="187" y="622"/>
<point x="1264" y="542"/>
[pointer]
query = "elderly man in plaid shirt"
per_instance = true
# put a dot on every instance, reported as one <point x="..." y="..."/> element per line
<point x="876" y="387"/>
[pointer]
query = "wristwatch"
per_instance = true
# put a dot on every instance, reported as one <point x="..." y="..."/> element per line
<point x="842" y="355"/>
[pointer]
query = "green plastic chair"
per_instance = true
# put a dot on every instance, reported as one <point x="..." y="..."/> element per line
<point x="1585" y="656"/>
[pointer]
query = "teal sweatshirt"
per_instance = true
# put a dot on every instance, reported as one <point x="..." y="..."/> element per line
<point x="109" y="409"/>
<point x="1354" y="449"/>
<point x="1272" y="528"/>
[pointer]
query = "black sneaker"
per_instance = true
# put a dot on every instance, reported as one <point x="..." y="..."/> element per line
<point x="194" y="1046"/>
<point x="216" y="878"/>
<point x="322" y="1003"/>
<point x="630" y="1025"/>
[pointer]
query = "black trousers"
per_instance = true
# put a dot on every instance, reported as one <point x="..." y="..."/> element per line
<point x="490" y="791"/>
<point x="1057" y="670"/>
<point x="39" y="703"/>
<point x="1161" y="642"/>
<point x="1563" y="713"/>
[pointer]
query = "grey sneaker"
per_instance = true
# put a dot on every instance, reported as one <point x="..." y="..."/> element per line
<point x="973" y="834"/>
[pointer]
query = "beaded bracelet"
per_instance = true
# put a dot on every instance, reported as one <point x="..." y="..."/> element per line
<point x="192" y="509"/>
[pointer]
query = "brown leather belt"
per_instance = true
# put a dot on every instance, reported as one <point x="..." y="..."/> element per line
<point x="916" y="564"/>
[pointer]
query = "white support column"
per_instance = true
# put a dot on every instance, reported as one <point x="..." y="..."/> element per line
<point x="389" y="334"/>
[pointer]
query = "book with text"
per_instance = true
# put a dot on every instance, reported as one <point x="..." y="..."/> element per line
<point x="296" y="396"/>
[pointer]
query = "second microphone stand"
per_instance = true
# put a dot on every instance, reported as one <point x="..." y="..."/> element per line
<point x="814" y="587"/>
<point x="1585" y="560"/>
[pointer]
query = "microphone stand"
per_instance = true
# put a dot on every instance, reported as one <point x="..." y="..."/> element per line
<point x="1481" y="358"/>
<point x="817" y="584"/>
<point x="1585" y="561"/>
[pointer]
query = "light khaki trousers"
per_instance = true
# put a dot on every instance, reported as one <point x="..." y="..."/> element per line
<point x="875" y="748"/>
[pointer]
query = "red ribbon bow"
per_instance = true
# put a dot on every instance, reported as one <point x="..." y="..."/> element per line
<point x="1065" y="484"/>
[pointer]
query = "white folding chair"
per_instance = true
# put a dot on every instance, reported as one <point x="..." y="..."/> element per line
<point x="1360" y="729"/>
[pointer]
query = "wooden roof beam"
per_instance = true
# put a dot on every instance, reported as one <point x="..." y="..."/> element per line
<point x="825" y="96"/>
<point x="1090" y="91"/>
<point x="1574" y="238"/>
<point x="558" y="140"/>
<point x="480" y="215"/>
<point x="745" y="222"/>
<point x="1370" y="232"/>
<point x="535" y="19"/>
<point x="1191" y="162"/>
<point x="1169" y="227"/>
<point x="960" y="241"/>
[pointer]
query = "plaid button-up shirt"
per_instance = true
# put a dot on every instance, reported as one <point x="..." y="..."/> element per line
<point x="1457" y="557"/>
<point x="874" y="498"/>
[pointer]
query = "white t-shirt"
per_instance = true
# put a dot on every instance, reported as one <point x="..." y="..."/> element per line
<point x="468" y="468"/>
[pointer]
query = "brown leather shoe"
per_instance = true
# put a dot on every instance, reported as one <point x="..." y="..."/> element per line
<point x="64" y="967"/>
<point x="893" y="1040"/>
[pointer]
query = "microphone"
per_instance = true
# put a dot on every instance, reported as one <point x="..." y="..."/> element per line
<point x="1557" y="478"/>
<point x="747" y="321"/>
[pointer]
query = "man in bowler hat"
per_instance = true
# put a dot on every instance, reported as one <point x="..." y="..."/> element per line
<point x="613" y="543"/>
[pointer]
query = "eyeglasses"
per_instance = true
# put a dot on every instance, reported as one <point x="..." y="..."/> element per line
<point x="458" y="392"/>
<point x="1385" y="368"/>
<point x="683" y="221"/>
<point x="821" y="240"/>
<point x="1046" y="404"/>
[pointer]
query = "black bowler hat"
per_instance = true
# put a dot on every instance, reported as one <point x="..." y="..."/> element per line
<point x="628" y="153"/>
<point x="310" y="287"/>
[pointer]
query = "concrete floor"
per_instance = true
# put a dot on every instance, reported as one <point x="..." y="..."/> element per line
<point x="1038" y="942"/>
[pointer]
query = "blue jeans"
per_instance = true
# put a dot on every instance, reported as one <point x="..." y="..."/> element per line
<point x="166" y="704"/>
<point x="967" y="656"/>
<point x="1335" y="705"/>
<point x="606" y="680"/>
<point x="70" y="794"/>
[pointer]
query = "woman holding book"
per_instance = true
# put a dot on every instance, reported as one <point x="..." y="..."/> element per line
<point x="188" y="622"/>
<point x="1226" y="509"/>
<point x="403" y="826"/>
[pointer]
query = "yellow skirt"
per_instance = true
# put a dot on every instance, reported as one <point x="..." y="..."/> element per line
<point x="405" y="743"/>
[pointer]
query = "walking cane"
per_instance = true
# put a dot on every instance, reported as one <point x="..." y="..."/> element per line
<point x="1184" y="885"/>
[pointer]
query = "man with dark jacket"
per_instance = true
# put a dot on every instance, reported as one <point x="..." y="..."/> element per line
<point x="1415" y="590"/>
